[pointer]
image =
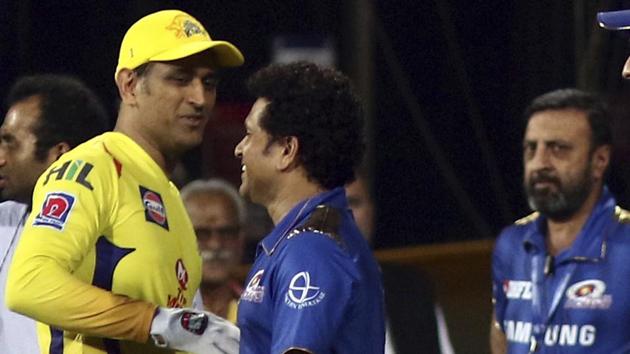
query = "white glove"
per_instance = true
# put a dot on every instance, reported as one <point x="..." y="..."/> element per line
<point x="194" y="331"/>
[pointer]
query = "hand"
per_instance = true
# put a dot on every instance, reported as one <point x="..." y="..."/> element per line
<point x="194" y="331"/>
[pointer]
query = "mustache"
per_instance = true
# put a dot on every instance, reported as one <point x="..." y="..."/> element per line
<point x="218" y="255"/>
<point x="543" y="176"/>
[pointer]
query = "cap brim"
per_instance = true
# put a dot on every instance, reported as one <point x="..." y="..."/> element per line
<point x="226" y="54"/>
<point x="614" y="20"/>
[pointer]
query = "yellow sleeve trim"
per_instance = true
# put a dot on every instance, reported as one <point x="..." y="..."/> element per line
<point x="528" y="219"/>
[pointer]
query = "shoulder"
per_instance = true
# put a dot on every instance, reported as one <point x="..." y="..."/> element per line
<point x="87" y="164"/>
<point x="514" y="234"/>
<point x="622" y="216"/>
<point x="317" y="243"/>
<point x="620" y="237"/>
<point x="322" y="226"/>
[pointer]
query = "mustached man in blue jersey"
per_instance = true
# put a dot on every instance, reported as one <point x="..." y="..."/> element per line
<point x="560" y="274"/>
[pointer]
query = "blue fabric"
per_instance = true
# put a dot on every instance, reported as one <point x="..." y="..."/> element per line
<point x="589" y="281"/>
<point x="310" y="291"/>
<point x="614" y="20"/>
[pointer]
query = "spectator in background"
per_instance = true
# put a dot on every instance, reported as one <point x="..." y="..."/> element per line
<point x="217" y="213"/>
<point x="414" y="320"/>
<point x="47" y="116"/>
<point x="560" y="274"/>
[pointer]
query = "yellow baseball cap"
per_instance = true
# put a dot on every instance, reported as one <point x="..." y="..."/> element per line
<point x="170" y="35"/>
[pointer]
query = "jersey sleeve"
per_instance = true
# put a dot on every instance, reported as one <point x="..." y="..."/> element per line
<point x="312" y="291"/>
<point x="74" y="202"/>
<point x="498" y="269"/>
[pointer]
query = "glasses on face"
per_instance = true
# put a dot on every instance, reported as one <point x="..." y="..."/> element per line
<point x="228" y="232"/>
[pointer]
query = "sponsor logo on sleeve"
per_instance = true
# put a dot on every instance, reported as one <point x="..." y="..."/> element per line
<point x="302" y="293"/>
<point x="254" y="292"/>
<point x="588" y="294"/>
<point x="154" y="210"/>
<point x="55" y="210"/>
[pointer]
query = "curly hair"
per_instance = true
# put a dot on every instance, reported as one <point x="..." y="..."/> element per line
<point x="318" y="106"/>
<point x="70" y="111"/>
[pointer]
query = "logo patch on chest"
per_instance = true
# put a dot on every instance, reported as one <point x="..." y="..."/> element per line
<point x="588" y="294"/>
<point x="254" y="292"/>
<point x="55" y="211"/>
<point x="154" y="210"/>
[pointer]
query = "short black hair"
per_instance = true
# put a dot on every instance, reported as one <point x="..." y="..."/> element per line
<point x="569" y="98"/>
<point x="70" y="111"/>
<point x="318" y="106"/>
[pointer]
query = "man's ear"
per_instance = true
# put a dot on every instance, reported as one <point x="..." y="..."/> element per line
<point x="126" y="81"/>
<point x="600" y="160"/>
<point x="55" y="152"/>
<point x="289" y="149"/>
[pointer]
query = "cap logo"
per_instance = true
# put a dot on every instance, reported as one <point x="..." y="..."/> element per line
<point x="184" y="26"/>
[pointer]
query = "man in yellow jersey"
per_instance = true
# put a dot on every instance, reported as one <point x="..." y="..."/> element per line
<point x="217" y="213"/>
<point x="108" y="256"/>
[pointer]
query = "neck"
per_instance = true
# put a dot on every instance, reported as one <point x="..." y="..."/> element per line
<point x="562" y="233"/>
<point x="217" y="297"/>
<point x="289" y="196"/>
<point x="167" y="163"/>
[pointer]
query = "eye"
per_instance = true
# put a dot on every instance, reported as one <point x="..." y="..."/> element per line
<point x="558" y="148"/>
<point x="210" y="83"/>
<point x="179" y="79"/>
<point x="529" y="148"/>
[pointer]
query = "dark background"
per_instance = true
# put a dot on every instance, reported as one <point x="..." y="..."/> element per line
<point x="445" y="83"/>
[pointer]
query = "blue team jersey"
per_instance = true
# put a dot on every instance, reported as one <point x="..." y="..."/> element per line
<point x="317" y="289"/>
<point x="576" y="302"/>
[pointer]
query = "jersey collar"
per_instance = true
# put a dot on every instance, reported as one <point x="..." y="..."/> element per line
<point x="297" y="215"/>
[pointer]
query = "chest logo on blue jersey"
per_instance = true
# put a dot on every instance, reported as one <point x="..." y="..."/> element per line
<point x="55" y="211"/>
<point x="588" y="294"/>
<point x="254" y="292"/>
<point x="302" y="293"/>
<point x="154" y="210"/>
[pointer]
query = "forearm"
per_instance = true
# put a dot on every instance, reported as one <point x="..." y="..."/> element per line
<point x="44" y="291"/>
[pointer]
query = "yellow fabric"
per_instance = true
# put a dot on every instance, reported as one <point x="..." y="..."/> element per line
<point x="170" y="35"/>
<point x="53" y="270"/>
<point x="232" y="311"/>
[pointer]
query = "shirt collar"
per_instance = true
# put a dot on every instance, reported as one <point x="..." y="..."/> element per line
<point x="297" y="215"/>
<point x="590" y="242"/>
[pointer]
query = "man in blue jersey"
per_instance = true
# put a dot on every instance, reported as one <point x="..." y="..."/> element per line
<point x="47" y="116"/>
<point x="314" y="286"/>
<point x="559" y="274"/>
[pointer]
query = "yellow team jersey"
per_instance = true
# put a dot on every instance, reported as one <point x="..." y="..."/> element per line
<point x="107" y="229"/>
